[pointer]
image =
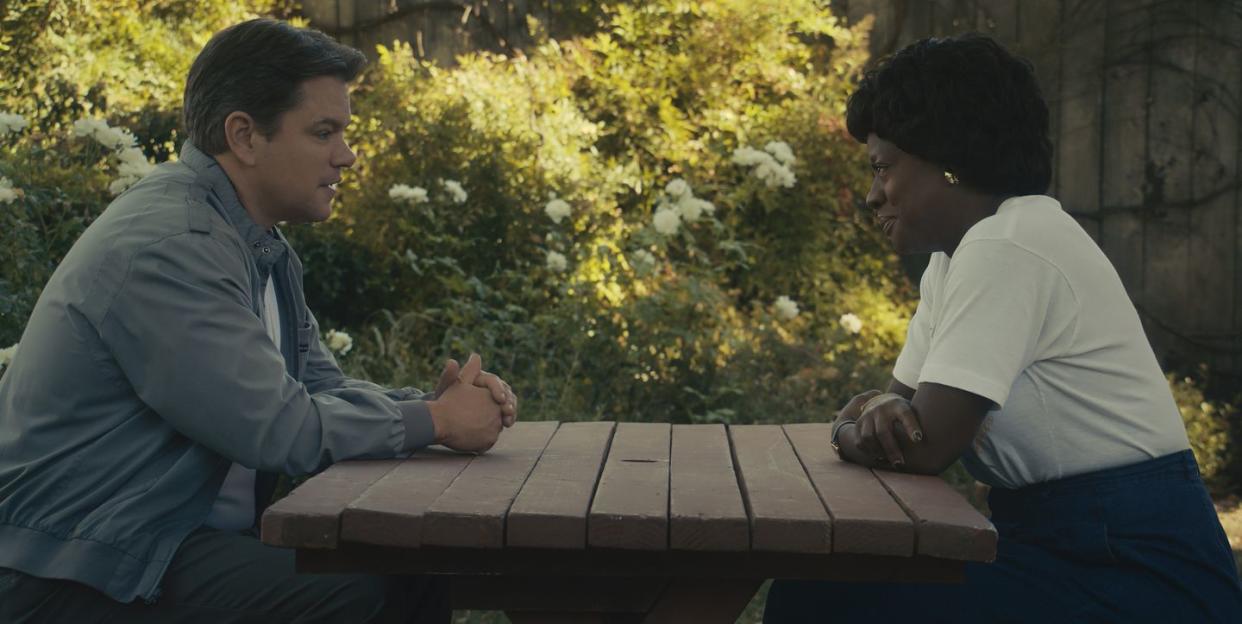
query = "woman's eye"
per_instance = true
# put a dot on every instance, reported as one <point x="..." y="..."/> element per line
<point x="879" y="168"/>
<point x="323" y="134"/>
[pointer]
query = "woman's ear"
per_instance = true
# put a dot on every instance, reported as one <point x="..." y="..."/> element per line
<point x="241" y="134"/>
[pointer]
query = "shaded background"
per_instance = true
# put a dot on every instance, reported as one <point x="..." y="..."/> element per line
<point x="1144" y="97"/>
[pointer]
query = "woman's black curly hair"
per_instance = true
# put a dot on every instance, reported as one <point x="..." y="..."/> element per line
<point x="965" y="104"/>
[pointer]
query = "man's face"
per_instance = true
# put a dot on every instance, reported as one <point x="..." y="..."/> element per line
<point x="297" y="168"/>
<point x="908" y="197"/>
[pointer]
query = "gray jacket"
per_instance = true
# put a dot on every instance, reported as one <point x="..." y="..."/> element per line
<point x="145" y="371"/>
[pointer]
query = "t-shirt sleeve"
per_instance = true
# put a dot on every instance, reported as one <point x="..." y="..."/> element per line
<point x="992" y="311"/>
<point x="918" y="333"/>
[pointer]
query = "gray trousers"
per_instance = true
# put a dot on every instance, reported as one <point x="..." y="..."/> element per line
<point x="228" y="577"/>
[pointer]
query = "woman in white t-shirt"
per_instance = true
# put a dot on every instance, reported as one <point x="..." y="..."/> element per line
<point x="1026" y="360"/>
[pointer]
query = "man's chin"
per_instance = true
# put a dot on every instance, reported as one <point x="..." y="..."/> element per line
<point x="308" y="216"/>
<point x="319" y="212"/>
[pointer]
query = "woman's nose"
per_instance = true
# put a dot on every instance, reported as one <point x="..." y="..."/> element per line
<point x="875" y="196"/>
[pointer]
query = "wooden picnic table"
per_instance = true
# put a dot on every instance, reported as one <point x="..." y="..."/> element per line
<point x="650" y="522"/>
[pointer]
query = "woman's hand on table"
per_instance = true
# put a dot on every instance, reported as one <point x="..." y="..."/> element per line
<point x="875" y="417"/>
<point x="881" y="420"/>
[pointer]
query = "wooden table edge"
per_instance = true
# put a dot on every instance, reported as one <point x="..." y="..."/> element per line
<point x="366" y="558"/>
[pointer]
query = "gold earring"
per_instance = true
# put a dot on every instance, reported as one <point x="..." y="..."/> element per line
<point x="951" y="178"/>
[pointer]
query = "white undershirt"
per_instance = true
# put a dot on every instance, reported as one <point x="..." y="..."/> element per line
<point x="234" y="506"/>
<point x="1030" y="314"/>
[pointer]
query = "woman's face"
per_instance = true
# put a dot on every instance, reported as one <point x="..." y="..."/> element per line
<point x="910" y="198"/>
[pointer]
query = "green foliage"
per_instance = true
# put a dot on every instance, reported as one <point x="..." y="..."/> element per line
<point x="62" y="188"/>
<point x="640" y="324"/>
<point x="1208" y="425"/>
<point x="120" y="60"/>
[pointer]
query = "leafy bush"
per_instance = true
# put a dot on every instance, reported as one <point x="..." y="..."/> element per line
<point x="544" y="176"/>
<point x="628" y="220"/>
<point x="1209" y="426"/>
<point x="563" y="232"/>
<point x="123" y="61"/>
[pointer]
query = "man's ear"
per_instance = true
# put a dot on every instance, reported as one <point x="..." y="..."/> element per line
<point x="242" y="135"/>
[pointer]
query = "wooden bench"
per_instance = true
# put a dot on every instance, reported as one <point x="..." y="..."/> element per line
<point x="598" y="521"/>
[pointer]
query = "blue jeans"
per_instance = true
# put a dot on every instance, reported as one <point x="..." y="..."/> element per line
<point x="1139" y="543"/>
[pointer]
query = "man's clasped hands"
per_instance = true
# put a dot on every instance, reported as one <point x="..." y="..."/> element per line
<point x="471" y="406"/>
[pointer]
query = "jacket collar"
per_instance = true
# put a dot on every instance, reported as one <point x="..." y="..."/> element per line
<point x="266" y="246"/>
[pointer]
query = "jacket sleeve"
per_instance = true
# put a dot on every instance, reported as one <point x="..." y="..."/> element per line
<point x="181" y="328"/>
<point x="324" y="376"/>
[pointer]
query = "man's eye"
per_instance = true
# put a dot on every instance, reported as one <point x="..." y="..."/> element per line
<point x="323" y="134"/>
<point x="879" y="167"/>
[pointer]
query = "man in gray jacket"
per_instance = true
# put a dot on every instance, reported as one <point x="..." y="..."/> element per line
<point x="171" y="368"/>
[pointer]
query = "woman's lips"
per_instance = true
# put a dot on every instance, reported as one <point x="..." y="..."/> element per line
<point x="887" y="224"/>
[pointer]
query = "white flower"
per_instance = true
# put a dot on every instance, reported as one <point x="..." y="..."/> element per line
<point x="6" y="355"/>
<point x="677" y="188"/>
<point x="781" y="151"/>
<point x="643" y="259"/>
<point x="338" y="341"/>
<point x="556" y="262"/>
<point x="775" y="174"/>
<point x="133" y="163"/>
<point x="749" y="156"/>
<point x="455" y="191"/>
<point x="116" y="138"/>
<point x="851" y="323"/>
<point x="107" y="136"/>
<point x="133" y="159"/>
<point x="409" y="194"/>
<point x="88" y="127"/>
<point x="11" y="123"/>
<point x="7" y="193"/>
<point x="766" y="166"/>
<point x="786" y="308"/>
<point x="119" y="185"/>
<point x="666" y="221"/>
<point x="691" y="208"/>
<point x="132" y="156"/>
<point x="557" y="209"/>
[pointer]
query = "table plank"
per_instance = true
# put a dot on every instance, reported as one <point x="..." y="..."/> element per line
<point x="471" y="512"/>
<point x="391" y="512"/>
<point x="630" y="510"/>
<point x="310" y="516"/>
<point x="945" y="524"/>
<point x="865" y="517"/>
<point x="785" y="512"/>
<point x="605" y="564"/>
<point x="705" y="502"/>
<point x="551" y="510"/>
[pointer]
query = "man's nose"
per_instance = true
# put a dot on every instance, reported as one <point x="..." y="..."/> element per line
<point x="345" y="157"/>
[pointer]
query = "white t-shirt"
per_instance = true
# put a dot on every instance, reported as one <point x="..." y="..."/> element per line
<point x="1030" y="314"/>
<point x="233" y="509"/>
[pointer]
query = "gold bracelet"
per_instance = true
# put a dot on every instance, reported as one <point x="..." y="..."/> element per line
<point x="836" y="434"/>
